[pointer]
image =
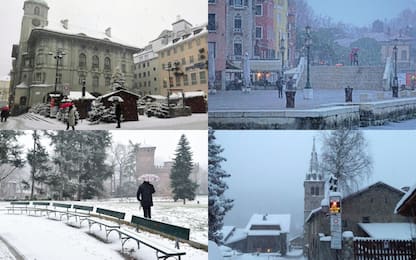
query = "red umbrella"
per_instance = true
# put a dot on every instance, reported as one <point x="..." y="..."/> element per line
<point x="5" y="108"/>
<point x="65" y="105"/>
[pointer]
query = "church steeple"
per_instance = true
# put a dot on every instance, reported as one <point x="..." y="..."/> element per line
<point x="313" y="173"/>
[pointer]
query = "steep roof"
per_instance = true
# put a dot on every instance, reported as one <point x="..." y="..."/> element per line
<point x="400" y="231"/>
<point x="411" y="192"/>
<point x="283" y="220"/>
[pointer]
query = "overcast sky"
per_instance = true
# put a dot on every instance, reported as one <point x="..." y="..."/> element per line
<point x="165" y="141"/>
<point x="134" y="21"/>
<point x="268" y="168"/>
<point x="360" y="12"/>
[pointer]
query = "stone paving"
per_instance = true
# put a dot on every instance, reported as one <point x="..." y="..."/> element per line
<point x="268" y="99"/>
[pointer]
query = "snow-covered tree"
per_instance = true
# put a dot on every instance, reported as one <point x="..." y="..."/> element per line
<point x="345" y="155"/>
<point x="182" y="186"/>
<point x="38" y="159"/>
<point x="10" y="153"/>
<point x="218" y="204"/>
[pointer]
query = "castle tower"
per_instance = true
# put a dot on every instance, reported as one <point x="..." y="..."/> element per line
<point x="314" y="185"/>
<point x="145" y="160"/>
<point x="35" y="16"/>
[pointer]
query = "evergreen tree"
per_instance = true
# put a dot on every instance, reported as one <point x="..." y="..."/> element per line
<point x="182" y="186"/>
<point x="218" y="204"/>
<point x="38" y="160"/>
<point x="10" y="153"/>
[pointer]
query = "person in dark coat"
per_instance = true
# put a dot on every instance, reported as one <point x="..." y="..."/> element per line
<point x="144" y="195"/>
<point x="4" y="113"/>
<point x="118" y="113"/>
<point x="279" y="84"/>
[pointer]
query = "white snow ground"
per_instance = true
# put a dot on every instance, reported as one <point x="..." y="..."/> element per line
<point x="40" y="238"/>
<point x="31" y="121"/>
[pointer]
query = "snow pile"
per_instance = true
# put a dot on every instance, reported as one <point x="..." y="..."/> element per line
<point x="394" y="231"/>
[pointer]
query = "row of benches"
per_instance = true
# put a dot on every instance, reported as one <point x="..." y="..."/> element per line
<point x="111" y="220"/>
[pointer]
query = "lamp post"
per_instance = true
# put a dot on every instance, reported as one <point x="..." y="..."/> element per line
<point x="58" y="56"/>
<point x="395" y="86"/>
<point x="168" y="68"/>
<point x="308" y="91"/>
<point x="282" y="50"/>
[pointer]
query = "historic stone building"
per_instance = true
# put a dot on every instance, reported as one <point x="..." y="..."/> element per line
<point x="145" y="164"/>
<point x="61" y="57"/>
<point x="4" y="89"/>
<point x="176" y="59"/>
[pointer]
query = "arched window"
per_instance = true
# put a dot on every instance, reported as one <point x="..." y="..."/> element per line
<point x="95" y="62"/>
<point x="82" y="60"/>
<point x="312" y="190"/>
<point x="37" y="10"/>
<point x="107" y="64"/>
<point x="317" y="191"/>
<point x="95" y="83"/>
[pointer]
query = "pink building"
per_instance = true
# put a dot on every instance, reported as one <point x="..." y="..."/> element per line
<point x="217" y="38"/>
<point x="265" y="39"/>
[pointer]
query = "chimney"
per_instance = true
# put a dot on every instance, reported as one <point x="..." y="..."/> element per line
<point x="108" y="31"/>
<point x="65" y="24"/>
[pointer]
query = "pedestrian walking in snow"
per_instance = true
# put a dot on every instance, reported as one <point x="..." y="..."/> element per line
<point x="4" y="113"/>
<point x="70" y="122"/>
<point x="118" y="113"/>
<point x="144" y="195"/>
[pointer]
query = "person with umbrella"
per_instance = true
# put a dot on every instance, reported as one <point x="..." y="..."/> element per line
<point x="117" y="105"/>
<point x="4" y="113"/>
<point x="70" y="122"/>
<point x="144" y="195"/>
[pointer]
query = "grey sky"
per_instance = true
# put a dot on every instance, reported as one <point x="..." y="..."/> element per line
<point x="268" y="168"/>
<point x="165" y="141"/>
<point x="360" y="12"/>
<point x="134" y="21"/>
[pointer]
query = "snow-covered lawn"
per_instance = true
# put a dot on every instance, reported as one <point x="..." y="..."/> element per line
<point x="30" y="121"/>
<point x="41" y="238"/>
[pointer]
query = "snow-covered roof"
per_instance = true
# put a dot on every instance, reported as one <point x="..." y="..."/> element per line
<point x="22" y="85"/>
<point x="195" y="31"/>
<point x="401" y="231"/>
<point x="157" y="97"/>
<point x="283" y="220"/>
<point x="226" y="231"/>
<point x="313" y="212"/>
<point x="188" y="94"/>
<point x="41" y="85"/>
<point x="117" y="91"/>
<point x="237" y="235"/>
<point x="74" y="30"/>
<point x="406" y="196"/>
<point x="75" y="95"/>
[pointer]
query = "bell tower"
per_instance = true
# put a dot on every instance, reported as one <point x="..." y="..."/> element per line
<point x="314" y="185"/>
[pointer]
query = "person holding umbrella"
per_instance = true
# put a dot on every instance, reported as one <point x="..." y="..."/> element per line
<point x="144" y="195"/>
<point x="4" y="113"/>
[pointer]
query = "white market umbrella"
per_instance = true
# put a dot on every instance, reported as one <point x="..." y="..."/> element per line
<point x="149" y="177"/>
<point x="115" y="98"/>
<point x="246" y="71"/>
<point x="211" y="71"/>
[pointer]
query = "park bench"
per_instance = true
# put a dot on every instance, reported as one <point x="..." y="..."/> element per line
<point x="18" y="205"/>
<point x="108" y="218"/>
<point x="57" y="209"/>
<point x="80" y="213"/>
<point x="162" y="250"/>
<point x="39" y="206"/>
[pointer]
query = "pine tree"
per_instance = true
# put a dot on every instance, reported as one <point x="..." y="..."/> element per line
<point x="218" y="204"/>
<point x="38" y="159"/>
<point x="182" y="186"/>
<point x="10" y="153"/>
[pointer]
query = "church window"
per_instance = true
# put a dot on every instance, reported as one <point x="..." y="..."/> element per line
<point x="95" y="62"/>
<point x="312" y="190"/>
<point x="37" y="10"/>
<point x="317" y="191"/>
<point x="95" y="82"/>
<point x="82" y="60"/>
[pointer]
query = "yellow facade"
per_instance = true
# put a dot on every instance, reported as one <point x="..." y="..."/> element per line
<point x="281" y="10"/>
<point x="183" y="63"/>
<point x="4" y="89"/>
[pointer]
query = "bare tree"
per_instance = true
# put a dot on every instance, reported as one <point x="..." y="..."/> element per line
<point x="345" y="155"/>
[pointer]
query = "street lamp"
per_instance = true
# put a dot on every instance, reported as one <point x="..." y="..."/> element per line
<point x="308" y="92"/>
<point x="58" y="56"/>
<point x="168" y="68"/>
<point x="395" y="86"/>
<point x="282" y="50"/>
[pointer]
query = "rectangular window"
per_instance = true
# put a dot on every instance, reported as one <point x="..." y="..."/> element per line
<point x="185" y="80"/>
<point x="403" y="55"/>
<point x="123" y="68"/>
<point x="190" y="45"/>
<point x="202" y="77"/>
<point x="259" y="10"/>
<point x="211" y="22"/>
<point x="238" y="3"/>
<point x="38" y="76"/>
<point x="193" y="79"/>
<point x="178" y="80"/>
<point x="259" y="32"/>
<point x="211" y="1"/>
<point x="366" y="219"/>
<point x="183" y="61"/>
<point x="212" y="49"/>
<point x="238" y="49"/>
<point x="191" y="59"/>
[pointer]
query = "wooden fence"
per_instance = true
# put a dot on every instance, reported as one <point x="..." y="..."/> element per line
<point x="385" y="249"/>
